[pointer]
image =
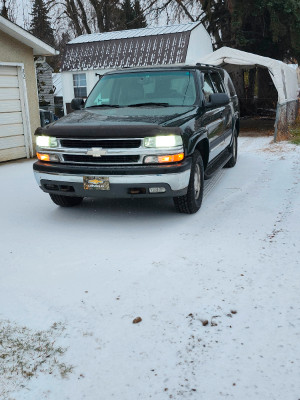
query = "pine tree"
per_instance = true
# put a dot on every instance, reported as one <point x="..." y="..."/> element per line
<point x="140" y="20"/>
<point x="129" y="14"/>
<point x="40" y="24"/>
<point x="133" y="15"/>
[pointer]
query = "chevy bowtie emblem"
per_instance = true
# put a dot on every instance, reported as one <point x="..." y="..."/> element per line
<point x="96" y="152"/>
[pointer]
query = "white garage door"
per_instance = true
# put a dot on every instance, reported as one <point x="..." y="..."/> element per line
<point x="12" y="118"/>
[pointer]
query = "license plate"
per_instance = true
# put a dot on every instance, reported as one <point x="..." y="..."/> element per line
<point x="96" y="183"/>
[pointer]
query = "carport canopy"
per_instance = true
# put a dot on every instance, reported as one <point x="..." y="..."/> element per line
<point x="283" y="76"/>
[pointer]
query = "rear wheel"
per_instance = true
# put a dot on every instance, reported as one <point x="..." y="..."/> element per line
<point x="191" y="202"/>
<point x="233" y="149"/>
<point x="65" y="201"/>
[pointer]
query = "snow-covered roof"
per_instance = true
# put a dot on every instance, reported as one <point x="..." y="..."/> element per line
<point x="57" y="84"/>
<point x="39" y="47"/>
<point x="134" y="33"/>
<point x="284" y="77"/>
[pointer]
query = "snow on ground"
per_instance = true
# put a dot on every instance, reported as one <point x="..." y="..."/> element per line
<point x="218" y="292"/>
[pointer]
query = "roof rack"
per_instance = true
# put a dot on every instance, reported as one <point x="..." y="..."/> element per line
<point x="207" y="65"/>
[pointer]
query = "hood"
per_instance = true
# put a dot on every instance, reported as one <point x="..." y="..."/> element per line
<point x="120" y="122"/>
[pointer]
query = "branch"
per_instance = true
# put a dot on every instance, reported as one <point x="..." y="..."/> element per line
<point x="83" y="17"/>
<point x="179" y="2"/>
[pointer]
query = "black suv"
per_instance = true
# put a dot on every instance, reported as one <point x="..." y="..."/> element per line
<point x="142" y="132"/>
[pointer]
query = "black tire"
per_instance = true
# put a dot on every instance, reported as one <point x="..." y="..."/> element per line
<point x="191" y="202"/>
<point x="65" y="201"/>
<point x="233" y="149"/>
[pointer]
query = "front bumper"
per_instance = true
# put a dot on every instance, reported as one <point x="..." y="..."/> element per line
<point x="68" y="179"/>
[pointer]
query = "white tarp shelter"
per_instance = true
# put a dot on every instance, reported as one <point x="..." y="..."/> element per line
<point x="283" y="76"/>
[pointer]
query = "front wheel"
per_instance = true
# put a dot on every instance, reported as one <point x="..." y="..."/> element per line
<point x="233" y="150"/>
<point x="191" y="202"/>
<point x="65" y="201"/>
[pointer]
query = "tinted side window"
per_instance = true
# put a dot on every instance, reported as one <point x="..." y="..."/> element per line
<point x="215" y="77"/>
<point x="231" y="87"/>
<point x="208" y="88"/>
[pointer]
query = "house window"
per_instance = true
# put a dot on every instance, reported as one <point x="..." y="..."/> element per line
<point x="79" y="83"/>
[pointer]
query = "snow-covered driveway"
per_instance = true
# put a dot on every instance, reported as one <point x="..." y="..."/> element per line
<point x="218" y="292"/>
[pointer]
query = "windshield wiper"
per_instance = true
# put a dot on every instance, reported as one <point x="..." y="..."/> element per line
<point x="149" y="104"/>
<point x="104" y="105"/>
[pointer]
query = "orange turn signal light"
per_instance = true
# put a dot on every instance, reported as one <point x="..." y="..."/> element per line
<point x="171" y="158"/>
<point x="43" y="157"/>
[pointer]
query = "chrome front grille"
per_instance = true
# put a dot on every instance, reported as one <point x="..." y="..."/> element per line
<point x="83" y="159"/>
<point x="100" y="151"/>
<point x="103" y="143"/>
<point x="120" y="151"/>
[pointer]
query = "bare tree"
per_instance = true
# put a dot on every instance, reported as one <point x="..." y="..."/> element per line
<point x="8" y="10"/>
<point x="87" y="16"/>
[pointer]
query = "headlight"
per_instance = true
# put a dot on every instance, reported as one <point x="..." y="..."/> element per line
<point x="46" y="141"/>
<point x="163" y="141"/>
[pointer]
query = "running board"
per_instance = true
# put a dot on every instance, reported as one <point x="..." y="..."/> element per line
<point x="217" y="163"/>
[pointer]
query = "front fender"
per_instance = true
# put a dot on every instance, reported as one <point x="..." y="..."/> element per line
<point x="195" y="139"/>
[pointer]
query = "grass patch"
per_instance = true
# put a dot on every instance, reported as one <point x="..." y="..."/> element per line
<point x="295" y="131"/>
<point x="25" y="353"/>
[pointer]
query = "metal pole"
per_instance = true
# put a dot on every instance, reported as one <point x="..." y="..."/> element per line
<point x="276" y="122"/>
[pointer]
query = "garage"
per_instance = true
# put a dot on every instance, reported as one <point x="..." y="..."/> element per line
<point x="19" y="107"/>
<point x="14" y="132"/>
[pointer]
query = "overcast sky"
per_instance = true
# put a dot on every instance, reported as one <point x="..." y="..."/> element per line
<point x="22" y="9"/>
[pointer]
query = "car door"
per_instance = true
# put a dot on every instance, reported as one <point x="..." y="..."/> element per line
<point x="213" y="119"/>
<point x="226" y="111"/>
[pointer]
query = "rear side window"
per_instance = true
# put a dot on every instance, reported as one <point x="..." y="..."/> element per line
<point x="231" y="87"/>
<point x="217" y="81"/>
<point x="208" y="88"/>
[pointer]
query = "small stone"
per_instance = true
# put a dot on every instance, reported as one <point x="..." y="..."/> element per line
<point x="233" y="312"/>
<point x="205" y="322"/>
<point x="137" y="320"/>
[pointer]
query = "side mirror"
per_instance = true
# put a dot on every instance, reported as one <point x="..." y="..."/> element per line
<point x="218" y="99"/>
<point x="77" y="103"/>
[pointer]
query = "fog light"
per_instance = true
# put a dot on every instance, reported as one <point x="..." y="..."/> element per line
<point x="157" y="190"/>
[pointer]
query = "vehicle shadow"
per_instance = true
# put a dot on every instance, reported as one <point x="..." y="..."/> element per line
<point x="137" y="208"/>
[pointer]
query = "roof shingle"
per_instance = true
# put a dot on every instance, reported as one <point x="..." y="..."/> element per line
<point x="168" y="48"/>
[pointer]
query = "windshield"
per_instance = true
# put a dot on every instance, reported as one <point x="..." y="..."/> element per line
<point x="167" y="88"/>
